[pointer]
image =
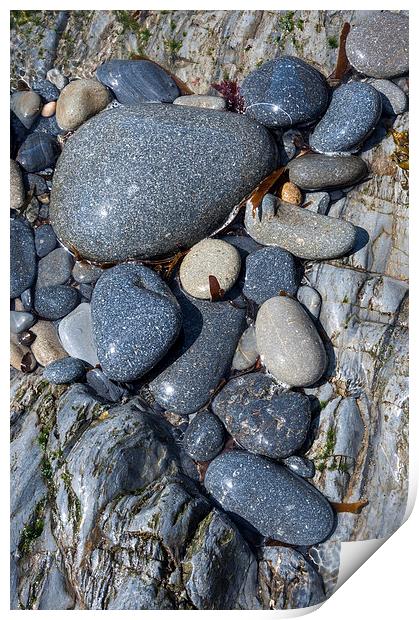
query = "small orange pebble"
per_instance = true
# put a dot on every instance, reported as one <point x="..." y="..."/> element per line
<point x="49" y="109"/>
<point x="354" y="507"/>
<point x="291" y="193"/>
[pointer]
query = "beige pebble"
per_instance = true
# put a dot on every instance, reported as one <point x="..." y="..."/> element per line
<point x="46" y="347"/>
<point x="17" y="189"/>
<point x="80" y="100"/>
<point x="49" y="109"/>
<point x="44" y="199"/>
<point x="291" y="193"/>
<point x="19" y="353"/>
<point x="18" y="305"/>
<point x="202" y="101"/>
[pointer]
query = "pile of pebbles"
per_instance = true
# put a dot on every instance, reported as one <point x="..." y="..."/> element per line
<point x="222" y="336"/>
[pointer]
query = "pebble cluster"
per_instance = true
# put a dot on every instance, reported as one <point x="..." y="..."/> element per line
<point x="133" y="270"/>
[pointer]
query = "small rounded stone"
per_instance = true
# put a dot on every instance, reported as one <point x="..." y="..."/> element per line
<point x="20" y="321"/>
<point x="54" y="268"/>
<point x="54" y="302"/>
<point x="315" y="171"/>
<point x="76" y="334"/>
<point x="45" y="240"/>
<point x="269" y="271"/>
<point x="204" y="437"/>
<point x="79" y="101"/>
<point x="65" y="370"/>
<point x="246" y="353"/>
<point x="393" y="99"/>
<point x="300" y="465"/>
<point x="48" y="109"/>
<point x="291" y="193"/>
<point x="26" y="104"/>
<point x="209" y="257"/>
<point x="46" y="347"/>
<point x="57" y="78"/>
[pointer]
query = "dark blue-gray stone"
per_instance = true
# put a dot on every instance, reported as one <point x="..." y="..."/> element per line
<point x="261" y="418"/>
<point x="39" y="151"/>
<point x="244" y="244"/>
<point x="35" y="183"/>
<point x="66" y="370"/>
<point x="27" y="300"/>
<point x="274" y="500"/>
<point x="54" y="268"/>
<point x="86" y="291"/>
<point x="285" y="91"/>
<point x="300" y="465"/>
<point x="352" y="115"/>
<point x="137" y="81"/>
<point x="47" y="125"/>
<point x="135" y="318"/>
<point x="18" y="134"/>
<point x="315" y="171"/>
<point x="22" y="257"/>
<point x="269" y="271"/>
<point x="186" y="167"/>
<point x="54" y="302"/>
<point x="20" y="321"/>
<point x="204" y="437"/>
<point x="46" y="90"/>
<point x="45" y="240"/>
<point x="104" y="387"/>
<point x="202" y="356"/>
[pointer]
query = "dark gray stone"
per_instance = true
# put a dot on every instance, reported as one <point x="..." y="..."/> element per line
<point x="95" y="196"/>
<point x="54" y="302"/>
<point x="46" y="90"/>
<point x="285" y="91"/>
<point x="352" y="115"/>
<point x="277" y="502"/>
<point x="54" y="268"/>
<point x="136" y="319"/>
<point x="379" y="46"/>
<point x="261" y="418"/>
<point x="45" y="240"/>
<point x="47" y="125"/>
<point x="104" y="387"/>
<point x="26" y="105"/>
<point x="66" y="370"/>
<point x="202" y="357"/>
<point x="204" y="437"/>
<point x="137" y="81"/>
<point x="22" y="257"/>
<point x="35" y="183"/>
<point x="314" y="172"/>
<point x="393" y="99"/>
<point x="20" y="321"/>
<point x="27" y="300"/>
<point x="85" y="273"/>
<point x="39" y="151"/>
<point x="86" y="291"/>
<point x="269" y="271"/>
<point x="300" y="465"/>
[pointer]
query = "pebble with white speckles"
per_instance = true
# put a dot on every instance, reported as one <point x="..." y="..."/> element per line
<point x="204" y="437"/>
<point x="20" y="321"/>
<point x="300" y="465"/>
<point x="269" y="271"/>
<point x="76" y="334"/>
<point x="393" y="99"/>
<point x="45" y="240"/>
<point x="26" y="104"/>
<point x="22" y="257"/>
<point x="39" y="151"/>
<point x="54" y="302"/>
<point x="57" y="78"/>
<point x="46" y="89"/>
<point x="315" y="171"/>
<point x="54" y="268"/>
<point x="66" y="370"/>
<point x="80" y="100"/>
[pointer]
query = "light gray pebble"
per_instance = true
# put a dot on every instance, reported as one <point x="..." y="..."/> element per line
<point x="246" y="353"/>
<point x="20" y="321"/>
<point x="393" y="99"/>
<point x="85" y="273"/>
<point x="310" y="299"/>
<point x="76" y="334"/>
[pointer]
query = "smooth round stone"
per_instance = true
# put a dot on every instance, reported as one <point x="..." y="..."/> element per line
<point x="57" y="78"/>
<point x="20" y="321"/>
<point x="54" y="302"/>
<point x="46" y="347"/>
<point x="209" y="257"/>
<point x="22" y="257"/>
<point x="204" y="437"/>
<point x="305" y="234"/>
<point x="379" y="46"/>
<point x="202" y="101"/>
<point x="48" y="109"/>
<point x="66" y="370"/>
<point x="46" y="89"/>
<point x="80" y="100"/>
<point x="136" y="319"/>
<point x="261" y="418"/>
<point x="269" y="271"/>
<point x="314" y="172"/>
<point x="55" y="268"/>
<point x="26" y="104"/>
<point x="393" y="99"/>
<point x="76" y="334"/>
<point x="138" y="81"/>
<point x="310" y="299"/>
<point x="39" y="151"/>
<point x="352" y="115"/>
<point x="169" y="160"/>
<point x="279" y="504"/>
<point x="285" y="91"/>
<point x="300" y="465"/>
<point x="85" y="273"/>
<point x="45" y="240"/>
<point x="246" y="353"/>
<point x="104" y="387"/>
<point x="288" y="342"/>
<point x="17" y="188"/>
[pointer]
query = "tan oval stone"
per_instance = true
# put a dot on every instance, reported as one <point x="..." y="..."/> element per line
<point x="288" y="342"/>
<point x="291" y="193"/>
<point x="80" y="100"/>
<point x="49" y="109"/>
<point x="46" y="347"/>
<point x="17" y="189"/>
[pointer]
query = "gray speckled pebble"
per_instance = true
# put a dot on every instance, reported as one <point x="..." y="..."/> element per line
<point x="285" y="91"/>
<point x="202" y="357"/>
<point x="300" y="465"/>
<point x="136" y="319"/>
<point x="76" y="334"/>
<point x="169" y="159"/>
<point x="310" y="299"/>
<point x="22" y="257"/>
<point x="66" y="370"/>
<point x="303" y="233"/>
<point x="84" y="273"/>
<point x="279" y="504"/>
<point x="45" y="240"/>
<point x="353" y="113"/>
<point x="246" y="353"/>
<point x="47" y="90"/>
<point x="27" y="300"/>
<point x="288" y="342"/>
<point x="379" y="46"/>
<point x="313" y="171"/>
<point x="269" y="271"/>
<point x="393" y="99"/>
<point x="204" y="437"/>
<point x="54" y="268"/>
<point x="202" y="101"/>
<point x="54" y="302"/>
<point x="20" y="321"/>
<point x="261" y="417"/>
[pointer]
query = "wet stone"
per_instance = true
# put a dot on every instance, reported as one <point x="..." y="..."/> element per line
<point x="39" y="151"/>
<point x="66" y="370"/>
<point x="137" y="81"/>
<point x="17" y="188"/>
<point x="45" y="241"/>
<point x="279" y="504"/>
<point x="54" y="268"/>
<point x="22" y="257"/>
<point x="246" y="353"/>
<point x="76" y="334"/>
<point x="27" y="299"/>
<point x="314" y="172"/>
<point x="204" y="437"/>
<point x="393" y="99"/>
<point x="300" y="465"/>
<point x="46" y="89"/>
<point x="352" y="115"/>
<point x="84" y="273"/>
<point x="285" y="91"/>
<point x="26" y="104"/>
<point x="136" y="319"/>
<point x="104" y="387"/>
<point x="54" y="302"/>
<point x="269" y="271"/>
<point x="80" y="100"/>
<point x="57" y="78"/>
<point x="261" y="417"/>
<point x="379" y="46"/>
<point x="90" y="213"/>
<point x="20" y="321"/>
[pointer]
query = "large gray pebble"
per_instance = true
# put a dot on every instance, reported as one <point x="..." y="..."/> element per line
<point x="315" y="171"/>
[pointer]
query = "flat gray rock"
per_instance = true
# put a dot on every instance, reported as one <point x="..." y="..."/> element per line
<point x="122" y="199"/>
<point x="22" y="257"/>
<point x="315" y="171"/>
<point x="76" y="334"/>
<point x="269" y="271"/>
<point x="204" y="437"/>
